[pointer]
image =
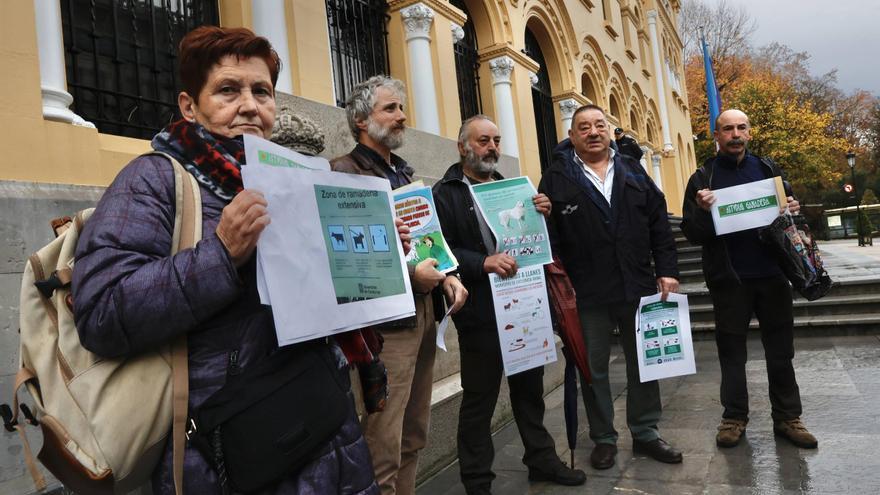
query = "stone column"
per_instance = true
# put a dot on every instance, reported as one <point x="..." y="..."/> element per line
<point x="501" y="68"/>
<point x="566" y="109"/>
<point x="658" y="77"/>
<point x="270" y="22"/>
<point x="657" y="176"/>
<point x="417" y="20"/>
<point x="53" y="77"/>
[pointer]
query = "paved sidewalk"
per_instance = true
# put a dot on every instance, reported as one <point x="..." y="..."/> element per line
<point x="845" y="260"/>
<point x="839" y="379"/>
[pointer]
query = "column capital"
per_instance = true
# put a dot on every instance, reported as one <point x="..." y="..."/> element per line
<point x="567" y="107"/>
<point x="457" y="33"/>
<point x="533" y="78"/>
<point x="417" y="20"/>
<point x="501" y="68"/>
<point x="652" y="16"/>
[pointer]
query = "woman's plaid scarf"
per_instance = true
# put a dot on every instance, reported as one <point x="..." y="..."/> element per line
<point x="214" y="160"/>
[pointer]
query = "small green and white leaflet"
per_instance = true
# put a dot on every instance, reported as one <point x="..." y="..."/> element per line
<point x="519" y="229"/>
<point x="663" y="338"/>
<point x="331" y="257"/>
<point x="747" y="206"/>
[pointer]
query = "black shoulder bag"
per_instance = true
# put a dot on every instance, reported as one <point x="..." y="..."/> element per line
<point x="269" y="420"/>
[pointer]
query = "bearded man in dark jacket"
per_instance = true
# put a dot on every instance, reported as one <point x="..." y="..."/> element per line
<point x="609" y="221"/>
<point x="744" y="278"/>
<point x="471" y="240"/>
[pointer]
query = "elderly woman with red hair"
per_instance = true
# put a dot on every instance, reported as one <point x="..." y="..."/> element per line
<point x="132" y="296"/>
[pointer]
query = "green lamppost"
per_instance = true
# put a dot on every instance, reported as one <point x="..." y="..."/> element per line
<point x="851" y="161"/>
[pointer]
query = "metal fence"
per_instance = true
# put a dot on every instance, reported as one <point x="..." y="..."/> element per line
<point x="358" y="42"/>
<point x="121" y="58"/>
<point x="467" y="68"/>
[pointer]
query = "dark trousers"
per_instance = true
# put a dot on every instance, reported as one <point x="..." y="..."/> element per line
<point x="481" y="372"/>
<point x="643" y="406"/>
<point x="769" y="299"/>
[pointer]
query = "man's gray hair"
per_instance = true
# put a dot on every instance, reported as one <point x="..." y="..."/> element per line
<point x="463" y="130"/>
<point x="360" y="102"/>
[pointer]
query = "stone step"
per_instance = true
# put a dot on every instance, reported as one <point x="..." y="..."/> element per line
<point x="815" y="325"/>
<point x="827" y="306"/>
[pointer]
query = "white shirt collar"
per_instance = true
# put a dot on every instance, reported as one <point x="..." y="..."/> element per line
<point x="603" y="186"/>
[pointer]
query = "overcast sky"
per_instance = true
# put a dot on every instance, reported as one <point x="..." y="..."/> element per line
<point x="844" y="34"/>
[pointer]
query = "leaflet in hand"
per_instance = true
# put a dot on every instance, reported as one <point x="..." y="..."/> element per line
<point x="415" y="206"/>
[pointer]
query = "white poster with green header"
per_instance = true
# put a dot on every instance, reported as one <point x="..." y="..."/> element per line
<point x="331" y="257"/>
<point x="664" y="344"/>
<point x="747" y="206"/>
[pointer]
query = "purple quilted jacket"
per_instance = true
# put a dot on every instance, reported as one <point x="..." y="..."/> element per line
<point x="131" y="296"/>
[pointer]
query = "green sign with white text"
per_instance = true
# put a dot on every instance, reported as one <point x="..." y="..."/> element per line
<point x="748" y="206"/>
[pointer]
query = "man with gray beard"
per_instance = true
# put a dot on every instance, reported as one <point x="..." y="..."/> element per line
<point x="396" y="434"/>
<point x="468" y="235"/>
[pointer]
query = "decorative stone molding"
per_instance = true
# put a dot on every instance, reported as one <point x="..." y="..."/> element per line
<point x="417" y="20"/>
<point x="440" y="7"/>
<point x="501" y="68"/>
<point x="297" y="132"/>
<point x="503" y="50"/>
<point x="457" y="33"/>
<point x="567" y="108"/>
<point x="533" y="78"/>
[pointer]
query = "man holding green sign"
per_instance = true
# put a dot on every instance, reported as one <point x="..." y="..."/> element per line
<point x="744" y="279"/>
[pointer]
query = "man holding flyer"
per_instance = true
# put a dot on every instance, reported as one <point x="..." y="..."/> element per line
<point x="744" y="278"/>
<point x="609" y="221"/>
<point x="397" y="434"/>
<point x="476" y="249"/>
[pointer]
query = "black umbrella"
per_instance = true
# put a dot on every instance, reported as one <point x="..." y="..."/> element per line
<point x="569" y="404"/>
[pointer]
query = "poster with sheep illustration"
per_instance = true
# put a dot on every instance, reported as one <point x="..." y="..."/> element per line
<point x="519" y="230"/>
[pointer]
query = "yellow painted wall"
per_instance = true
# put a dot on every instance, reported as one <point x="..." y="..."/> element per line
<point x="39" y="150"/>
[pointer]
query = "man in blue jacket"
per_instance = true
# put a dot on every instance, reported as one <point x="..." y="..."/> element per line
<point x="608" y="222"/>
<point x="744" y="278"/>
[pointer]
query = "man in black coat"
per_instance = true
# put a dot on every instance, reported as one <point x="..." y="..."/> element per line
<point x="627" y="145"/>
<point x="473" y="244"/>
<point x="609" y="221"/>
<point x="744" y="278"/>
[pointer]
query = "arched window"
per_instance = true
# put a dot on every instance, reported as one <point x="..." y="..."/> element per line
<point x="542" y="102"/>
<point x="358" y="42"/>
<point x="121" y="60"/>
<point x="633" y="121"/>
<point x="614" y="108"/>
<point x="588" y="89"/>
<point x="467" y="66"/>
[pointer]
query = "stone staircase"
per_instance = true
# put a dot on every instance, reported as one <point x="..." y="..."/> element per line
<point x="852" y="306"/>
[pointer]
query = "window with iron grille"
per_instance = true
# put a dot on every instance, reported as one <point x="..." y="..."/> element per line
<point x="121" y="58"/>
<point x="358" y="42"/>
<point x="467" y="66"/>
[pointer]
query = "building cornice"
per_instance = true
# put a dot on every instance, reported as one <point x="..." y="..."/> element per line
<point x="499" y="50"/>
<point x="439" y="7"/>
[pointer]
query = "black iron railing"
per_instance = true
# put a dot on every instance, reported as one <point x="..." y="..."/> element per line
<point x="467" y="67"/>
<point x="542" y="103"/>
<point x="358" y="44"/>
<point x="121" y="58"/>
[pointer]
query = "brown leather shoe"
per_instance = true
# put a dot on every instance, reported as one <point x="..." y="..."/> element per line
<point x="658" y="450"/>
<point x="602" y="456"/>
<point x="795" y="432"/>
<point x="730" y="432"/>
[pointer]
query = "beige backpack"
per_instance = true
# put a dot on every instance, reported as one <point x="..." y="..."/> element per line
<point x="104" y="421"/>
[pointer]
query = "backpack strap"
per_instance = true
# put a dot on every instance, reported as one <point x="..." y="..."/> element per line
<point x="23" y="376"/>
<point x="187" y="232"/>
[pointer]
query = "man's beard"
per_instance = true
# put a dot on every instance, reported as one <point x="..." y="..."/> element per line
<point x="482" y="166"/>
<point x="391" y="136"/>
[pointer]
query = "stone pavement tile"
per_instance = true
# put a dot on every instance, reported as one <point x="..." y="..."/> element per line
<point x="641" y="487"/>
<point x="817" y="359"/>
<point x="693" y="470"/>
<point x="689" y="440"/>
<point x="836" y="415"/>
